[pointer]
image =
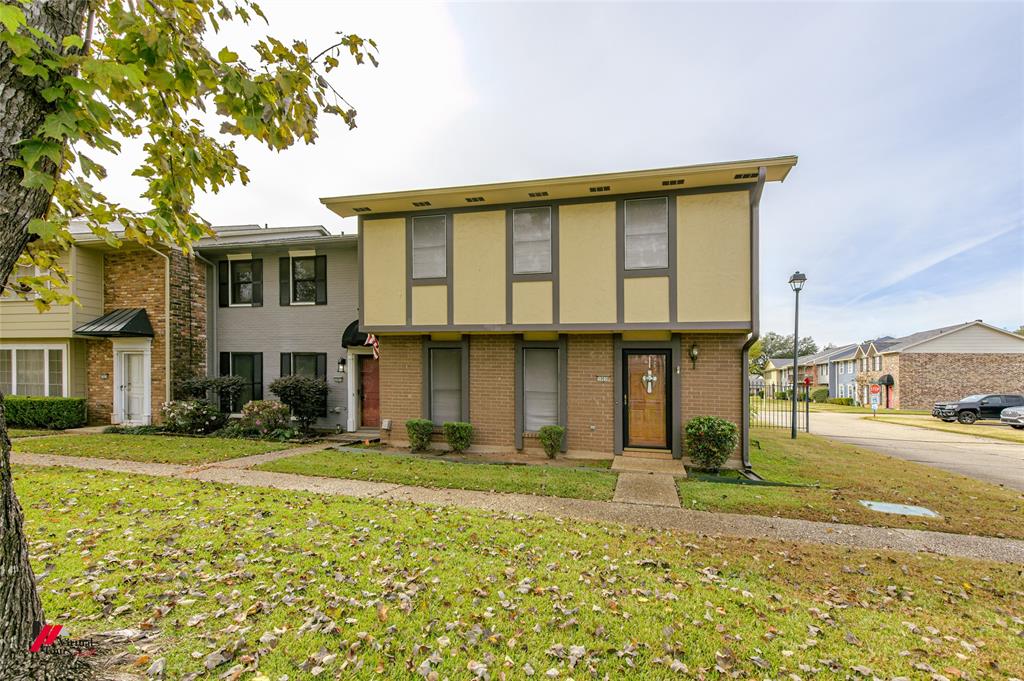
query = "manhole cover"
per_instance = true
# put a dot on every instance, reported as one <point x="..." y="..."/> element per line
<point x="899" y="509"/>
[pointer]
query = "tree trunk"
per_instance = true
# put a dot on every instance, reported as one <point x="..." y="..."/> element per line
<point x="22" y="111"/>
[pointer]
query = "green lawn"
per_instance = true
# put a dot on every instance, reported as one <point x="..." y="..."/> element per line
<point x="28" y="432"/>
<point x="404" y="469"/>
<point x="989" y="429"/>
<point x="846" y="474"/>
<point x="150" y="448"/>
<point x="391" y="588"/>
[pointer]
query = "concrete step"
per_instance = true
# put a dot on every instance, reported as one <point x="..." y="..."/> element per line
<point x="638" y="453"/>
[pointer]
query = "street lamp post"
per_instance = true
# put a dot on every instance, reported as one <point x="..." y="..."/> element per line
<point x="796" y="282"/>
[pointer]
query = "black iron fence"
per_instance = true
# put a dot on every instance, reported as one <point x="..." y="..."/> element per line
<point x="772" y="407"/>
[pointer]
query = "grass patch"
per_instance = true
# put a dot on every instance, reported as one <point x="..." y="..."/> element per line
<point x="28" y="432"/>
<point x="980" y="429"/>
<point x="554" y="481"/>
<point x="846" y="474"/>
<point x="149" y="448"/>
<point x="393" y="586"/>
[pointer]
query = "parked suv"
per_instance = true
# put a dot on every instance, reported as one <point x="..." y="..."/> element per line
<point x="974" y="407"/>
<point x="1013" y="417"/>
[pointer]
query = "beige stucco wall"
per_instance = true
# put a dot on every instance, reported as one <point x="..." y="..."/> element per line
<point x="645" y="299"/>
<point x="384" y="274"/>
<point x="478" y="263"/>
<point x="713" y="257"/>
<point x="531" y="302"/>
<point x="586" y="261"/>
<point x="430" y="305"/>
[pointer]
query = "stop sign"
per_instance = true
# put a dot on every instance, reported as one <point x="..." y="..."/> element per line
<point x="875" y="389"/>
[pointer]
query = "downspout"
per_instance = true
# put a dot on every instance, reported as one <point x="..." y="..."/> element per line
<point x="755" y="317"/>
<point x="167" y="323"/>
<point x="211" y="313"/>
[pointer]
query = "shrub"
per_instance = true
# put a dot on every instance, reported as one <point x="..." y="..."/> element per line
<point x="306" y="396"/>
<point x="551" y="439"/>
<point x="55" y="413"/>
<point x="710" y="441"/>
<point x="782" y="395"/>
<point x="195" y="417"/>
<point x="458" y="434"/>
<point x="819" y="395"/>
<point x="224" y="389"/>
<point x="260" y="418"/>
<point x="848" y="401"/>
<point x="419" y="431"/>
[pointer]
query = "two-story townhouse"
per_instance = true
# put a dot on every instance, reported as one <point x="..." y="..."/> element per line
<point x="946" y="363"/>
<point x="778" y="373"/>
<point x="843" y="372"/>
<point x="618" y="306"/>
<point x="284" y="301"/>
<point x="138" y="330"/>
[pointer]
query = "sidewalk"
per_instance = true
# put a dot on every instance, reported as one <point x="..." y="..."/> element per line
<point x="648" y="517"/>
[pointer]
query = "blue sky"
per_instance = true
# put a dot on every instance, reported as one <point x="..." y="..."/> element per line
<point x="906" y="210"/>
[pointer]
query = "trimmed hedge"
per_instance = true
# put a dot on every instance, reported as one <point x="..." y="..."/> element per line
<point x="819" y="395"/>
<point x="710" y="441"/>
<point x="551" y="439"/>
<point x="847" y="401"/>
<point x="419" y="431"/>
<point x="55" y="413"/>
<point x="458" y="434"/>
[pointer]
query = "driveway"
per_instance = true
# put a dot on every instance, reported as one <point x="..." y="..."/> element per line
<point x="977" y="457"/>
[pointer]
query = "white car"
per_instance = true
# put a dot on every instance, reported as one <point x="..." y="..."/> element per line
<point x="1013" y="417"/>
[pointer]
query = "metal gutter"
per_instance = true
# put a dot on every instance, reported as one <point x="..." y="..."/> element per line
<point x="755" y="317"/>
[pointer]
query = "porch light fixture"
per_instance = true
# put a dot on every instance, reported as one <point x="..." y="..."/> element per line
<point x="341" y="365"/>
<point x="693" y="355"/>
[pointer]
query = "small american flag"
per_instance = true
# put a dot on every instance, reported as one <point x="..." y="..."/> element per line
<point x="372" y="341"/>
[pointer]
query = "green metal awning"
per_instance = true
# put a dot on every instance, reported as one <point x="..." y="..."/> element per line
<point x="122" y="323"/>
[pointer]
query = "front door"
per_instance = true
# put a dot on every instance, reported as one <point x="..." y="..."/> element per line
<point x="369" y="392"/>
<point x="646" y="399"/>
<point x="134" y="387"/>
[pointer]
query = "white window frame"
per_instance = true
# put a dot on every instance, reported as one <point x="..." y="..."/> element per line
<point x="292" y="256"/>
<point x="842" y="368"/>
<point x="63" y="347"/>
<point x="235" y="257"/>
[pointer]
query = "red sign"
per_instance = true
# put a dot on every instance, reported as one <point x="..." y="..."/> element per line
<point x="807" y="381"/>
<point x="875" y="389"/>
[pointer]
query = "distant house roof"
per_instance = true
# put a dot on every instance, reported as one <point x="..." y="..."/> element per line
<point x="249" y="236"/>
<point x="783" y="362"/>
<point x="121" y="323"/>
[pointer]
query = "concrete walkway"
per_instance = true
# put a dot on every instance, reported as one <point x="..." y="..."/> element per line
<point x="646" y="489"/>
<point x="645" y="516"/>
<point x="977" y="457"/>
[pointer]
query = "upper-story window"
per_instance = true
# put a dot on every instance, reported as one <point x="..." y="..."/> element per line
<point x="878" y="362"/>
<point x="646" y="233"/>
<point x="429" y="247"/>
<point x="842" y="367"/>
<point x="14" y="286"/>
<point x="531" y="240"/>
<point x="240" y="282"/>
<point x="303" y="279"/>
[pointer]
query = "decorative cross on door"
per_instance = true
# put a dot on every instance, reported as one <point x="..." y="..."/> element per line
<point x="649" y="379"/>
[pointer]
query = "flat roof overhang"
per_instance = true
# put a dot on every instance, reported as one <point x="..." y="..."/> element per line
<point x="546" y="190"/>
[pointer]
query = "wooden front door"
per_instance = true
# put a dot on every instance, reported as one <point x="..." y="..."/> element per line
<point x="369" y="392"/>
<point x="646" y="399"/>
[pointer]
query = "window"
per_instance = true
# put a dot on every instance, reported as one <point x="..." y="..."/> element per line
<point x="248" y="365"/>
<point x="540" y="388"/>
<point x="304" y="280"/>
<point x="531" y="240"/>
<point x="429" y="247"/>
<point x="646" y="233"/>
<point x="878" y="362"/>
<point x="849" y="366"/>
<point x="36" y="372"/>
<point x="240" y="282"/>
<point x="842" y="368"/>
<point x="445" y="385"/>
<point x="13" y="287"/>
<point x="312" y="364"/>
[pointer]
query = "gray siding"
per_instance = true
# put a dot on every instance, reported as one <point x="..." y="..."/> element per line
<point x="273" y="329"/>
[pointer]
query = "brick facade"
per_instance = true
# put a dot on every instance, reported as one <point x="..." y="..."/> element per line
<point x="135" y="277"/>
<point x="926" y="378"/>
<point x="714" y="387"/>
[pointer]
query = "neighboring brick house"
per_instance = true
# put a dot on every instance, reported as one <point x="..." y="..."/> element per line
<point x="941" y="364"/>
<point x="113" y="348"/>
<point x="618" y="306"/>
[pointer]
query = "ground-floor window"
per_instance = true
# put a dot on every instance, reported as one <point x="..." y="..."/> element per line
<point x="540" y="388"/>
<point x="311" y="364"/>
<point x="445" y="392"/>
<point x="32" y="371"/>
<point x="248" y="365"/>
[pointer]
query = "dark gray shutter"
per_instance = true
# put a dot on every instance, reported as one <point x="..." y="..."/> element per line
<point x="225" y="370"/>
<point x="321" y="362"/>
<point x="222" y="283"/>
<point x="321" y="280"/>
<point x="284" y="274"/>
<point x="257" y="283"/>
<point x="286" y="364"/>
<point x="257" y="375"/>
